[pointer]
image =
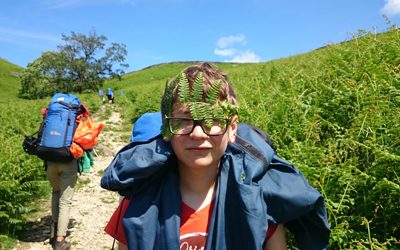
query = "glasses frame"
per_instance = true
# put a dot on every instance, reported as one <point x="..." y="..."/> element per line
<point x="199" y="122"/>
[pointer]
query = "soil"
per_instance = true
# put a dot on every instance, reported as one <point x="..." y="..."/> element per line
<point x="92" y="206"/>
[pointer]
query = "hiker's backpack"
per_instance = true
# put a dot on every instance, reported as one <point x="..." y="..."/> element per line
<point x="58" y="128"/>
<point x="110" y="92"/>
<point x="146" y="127"/>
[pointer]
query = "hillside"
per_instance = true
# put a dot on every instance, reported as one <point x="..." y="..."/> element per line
<point x="332" y="112"/>
<point x="9" y="79"/>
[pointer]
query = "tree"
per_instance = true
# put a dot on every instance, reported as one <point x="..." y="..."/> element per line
<point x="45" y="76"/>
<point x="82" y="63"/>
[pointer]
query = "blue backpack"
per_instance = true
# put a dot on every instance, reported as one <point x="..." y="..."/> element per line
<point x="57" y="130"/>
<point x="110" y="92"/>
<point x="152" y="122"/>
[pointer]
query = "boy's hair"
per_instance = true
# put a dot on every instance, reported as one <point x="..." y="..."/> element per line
<point x="204" y="89"/>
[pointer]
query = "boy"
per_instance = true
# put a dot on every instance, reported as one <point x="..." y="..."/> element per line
<point x="188" y="191"/>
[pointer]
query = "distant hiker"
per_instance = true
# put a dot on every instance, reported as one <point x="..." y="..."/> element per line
<point x="110" y="95"/>
<point x="101" y="94"/>
<point x="208" y="181"/>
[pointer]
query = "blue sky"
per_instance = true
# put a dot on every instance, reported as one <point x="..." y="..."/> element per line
<point x="159" y="31"/>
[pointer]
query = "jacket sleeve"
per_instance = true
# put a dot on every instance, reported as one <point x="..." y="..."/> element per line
<point x="135" y="165"/>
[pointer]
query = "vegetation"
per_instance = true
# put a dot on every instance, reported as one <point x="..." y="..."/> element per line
<point x="333" y="112"/>
<point x="9" y="81"/>
<point x="76" y="66"/>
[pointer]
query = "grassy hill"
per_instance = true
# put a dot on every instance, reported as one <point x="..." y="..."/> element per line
<point x="9" y="79"/>
<point x="333" y="112"/>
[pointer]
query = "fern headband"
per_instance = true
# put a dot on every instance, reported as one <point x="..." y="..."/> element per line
<point x="200" y="104"/>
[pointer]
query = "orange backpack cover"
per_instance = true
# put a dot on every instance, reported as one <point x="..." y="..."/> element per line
<point x="86" y="135"/>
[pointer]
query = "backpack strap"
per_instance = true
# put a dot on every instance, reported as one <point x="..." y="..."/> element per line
<point x="256" y="142"/>
<point x="84" y="110"/>
<point x="252" y="150"/>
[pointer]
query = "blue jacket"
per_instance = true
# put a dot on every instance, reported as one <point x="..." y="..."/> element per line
<point x="255" y="188"/>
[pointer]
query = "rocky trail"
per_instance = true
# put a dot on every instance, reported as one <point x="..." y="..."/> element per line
<point x="92" y="206"/>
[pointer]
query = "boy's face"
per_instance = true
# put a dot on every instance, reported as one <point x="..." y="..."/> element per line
<point x="197" y="149"/>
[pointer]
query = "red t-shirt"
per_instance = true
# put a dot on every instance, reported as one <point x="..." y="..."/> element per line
<point x="193" y="229"/>
<point x="194" y="226"/>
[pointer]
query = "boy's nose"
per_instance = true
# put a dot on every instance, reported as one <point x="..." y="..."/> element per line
<point x="198" y="132"/>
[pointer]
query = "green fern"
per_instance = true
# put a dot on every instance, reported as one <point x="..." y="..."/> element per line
<point x="165" y="130"/>
<point x="200" y="110"/>
<point x="166" y="102"/>
<point x="197" y="91"/>
<point x="183" y="86"/>
<point x="212" y="95"/>
<point x="228" y="109"/>
<point x="200" y="104"/>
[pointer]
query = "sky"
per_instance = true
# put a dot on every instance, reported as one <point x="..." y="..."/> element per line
<point x="162" y="31"/>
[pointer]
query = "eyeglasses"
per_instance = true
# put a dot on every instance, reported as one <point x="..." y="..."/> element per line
<point x="210" y="126"/>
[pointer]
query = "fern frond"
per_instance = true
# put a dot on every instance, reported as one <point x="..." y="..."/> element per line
<point x="199" y="110"/>
<point x="217" y="111"/>
<point x="165" y="130"/>
<point x="228" y="109"/>
<point x="197" y="91"/>
<point x="183" y="85"/>
<point x="166" y="103"/>
<point x="212" y="95"/>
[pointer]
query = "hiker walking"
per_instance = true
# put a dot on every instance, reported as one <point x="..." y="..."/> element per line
<point x="66" y="137"/>
<point x="102" y="97"/>
<point x="110" y="95"/>
<point x="55" y="140"/>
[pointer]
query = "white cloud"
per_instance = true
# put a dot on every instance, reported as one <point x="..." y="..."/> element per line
<point x="246" y="57"/>
<point x="232" y="47"/>
<point x="391" y="8"/>
<point x="224" y="52"/>
<point x="227" y="41"/>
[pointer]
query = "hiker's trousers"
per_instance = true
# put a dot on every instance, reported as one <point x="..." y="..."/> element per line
<point x="62" y="177"/>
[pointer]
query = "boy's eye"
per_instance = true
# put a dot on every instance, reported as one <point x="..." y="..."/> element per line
<point x="208" y="123"/>
<point x="178" y="123"/>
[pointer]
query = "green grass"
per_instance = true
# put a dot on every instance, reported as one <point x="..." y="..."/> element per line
<point x="9" y="80"/>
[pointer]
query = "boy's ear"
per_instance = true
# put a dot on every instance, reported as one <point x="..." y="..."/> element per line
<point x="233" y="129"/>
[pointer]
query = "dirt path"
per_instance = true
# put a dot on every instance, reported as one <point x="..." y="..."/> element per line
<point x="92" y="206"/>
